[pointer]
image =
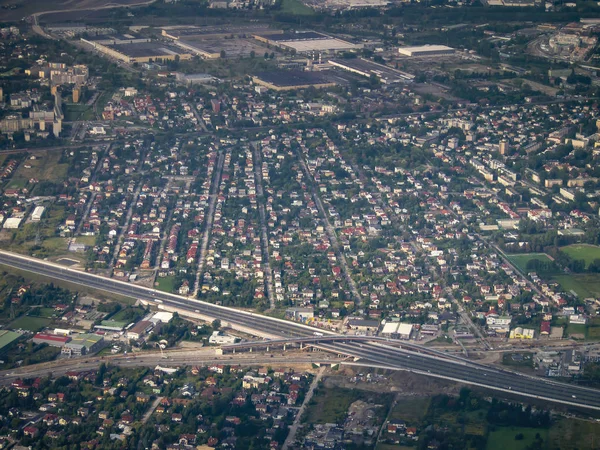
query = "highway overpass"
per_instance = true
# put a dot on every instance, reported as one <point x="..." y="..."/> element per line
<point x="370" y="354"/>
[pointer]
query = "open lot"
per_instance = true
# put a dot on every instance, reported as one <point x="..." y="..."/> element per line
<point x="582" y="251"/>
<point x="45" y="166"/>
<point x="521" y="260"/>
<point x="330" y="405"/>
<point x="574" y="433"/>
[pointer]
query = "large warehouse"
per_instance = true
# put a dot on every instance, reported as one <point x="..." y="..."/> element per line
<point x="306" y="42"/>
<point x="286" y="80"/>
<point x="140" y="52"/>
<point x="426" y="50"/>
<point x="367" y="68"/>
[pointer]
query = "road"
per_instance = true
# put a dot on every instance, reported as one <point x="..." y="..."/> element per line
<point x="209" y="219"/>
<point x="330" y="231"/>
<point x="369" y="354"/>
<point x="202" y="357"/>
<point x="291" y="437"/>
<point x="264" y="237"/>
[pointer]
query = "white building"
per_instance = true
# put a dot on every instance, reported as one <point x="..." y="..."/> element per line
<point x="426" y="50"/>
<point x="12" y="223"/>
<point x="37" y="213"/>
<point x="218" y="337"/>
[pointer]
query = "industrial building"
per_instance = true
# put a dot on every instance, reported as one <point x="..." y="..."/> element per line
<point x="37" y="213"/>
<point x="52" y="340"/>
<point x="367" y="68"/>
<point x="426" y="50"/>
<point x="8" y="339"/>
<point x="306" y="42"/>
<point x="397" y="330"/>
<point x="83" y="344"/>
<point x="138" y="52"/>
<point x="286" y="80"/>
<point x="12" y="223"/>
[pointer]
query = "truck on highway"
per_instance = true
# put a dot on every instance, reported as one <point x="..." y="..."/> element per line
<point x="316" y="333"/>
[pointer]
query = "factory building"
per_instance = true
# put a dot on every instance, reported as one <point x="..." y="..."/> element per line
<point x="426" y="50"/>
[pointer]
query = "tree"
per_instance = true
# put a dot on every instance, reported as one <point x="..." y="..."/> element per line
<point x="216" y="324"/>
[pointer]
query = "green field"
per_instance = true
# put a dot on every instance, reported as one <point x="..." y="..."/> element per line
<point x="411" y="410"/>
<point x="30" y="323"/>
<point x="584" y="285"/>
<point x="165" y="284"/>
<point x="582" y="251"/>
<point x="74" y="112"/>
<point x="521" y="260"/>
<point x="46" y="312"/>
<point x="296" y="7"/>
<point x="504" y="438"/>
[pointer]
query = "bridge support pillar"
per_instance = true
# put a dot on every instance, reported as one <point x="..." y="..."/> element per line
<point x="267" y="348"/>
<point x="301" y="345"/>
<point x="250" y="349"/>
<point x="284" y="347"/>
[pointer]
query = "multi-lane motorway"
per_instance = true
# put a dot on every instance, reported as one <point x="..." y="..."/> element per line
<point x="368" y="353"/>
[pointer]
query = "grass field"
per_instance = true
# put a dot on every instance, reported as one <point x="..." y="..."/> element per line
<point x="576" y="329"/>
<point x="584" y="285"/>
<point x="330" y="405"/>
<point x="522" y="259"/>
<point x="296" y="7"/>
<point x="46" y="312"/>
<point x="45" y="167"/>
<point x="30" y="323"/>
<point x="504" y="438"/>
<point x="411" y="410"/>
<point x="165" y="284"/>
<point x="75" y="112"/>
<point x="573" y="433"/>
<point x="582" y="251"/>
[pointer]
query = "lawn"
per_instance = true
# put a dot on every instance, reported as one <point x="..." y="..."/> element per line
<point x="584" y="285"/>
<point x="411" y="409"/>
<point x="582" y="251"/>
<point x="30" y="323"/>
<point x="522" y="259"/>
<point x="74" y="112"/>
<point x="296" y="7"/>
<point x="165" y="284"/>
<point x="48" y="313"/>
<point x="127" y="314"/>
<point x="504" y="438"/>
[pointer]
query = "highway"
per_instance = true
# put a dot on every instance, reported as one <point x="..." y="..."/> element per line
<point x="370" y="354"/>
<point x="174" y="359"/>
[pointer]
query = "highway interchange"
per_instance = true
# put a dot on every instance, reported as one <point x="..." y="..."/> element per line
<point x="369" y="354"/>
